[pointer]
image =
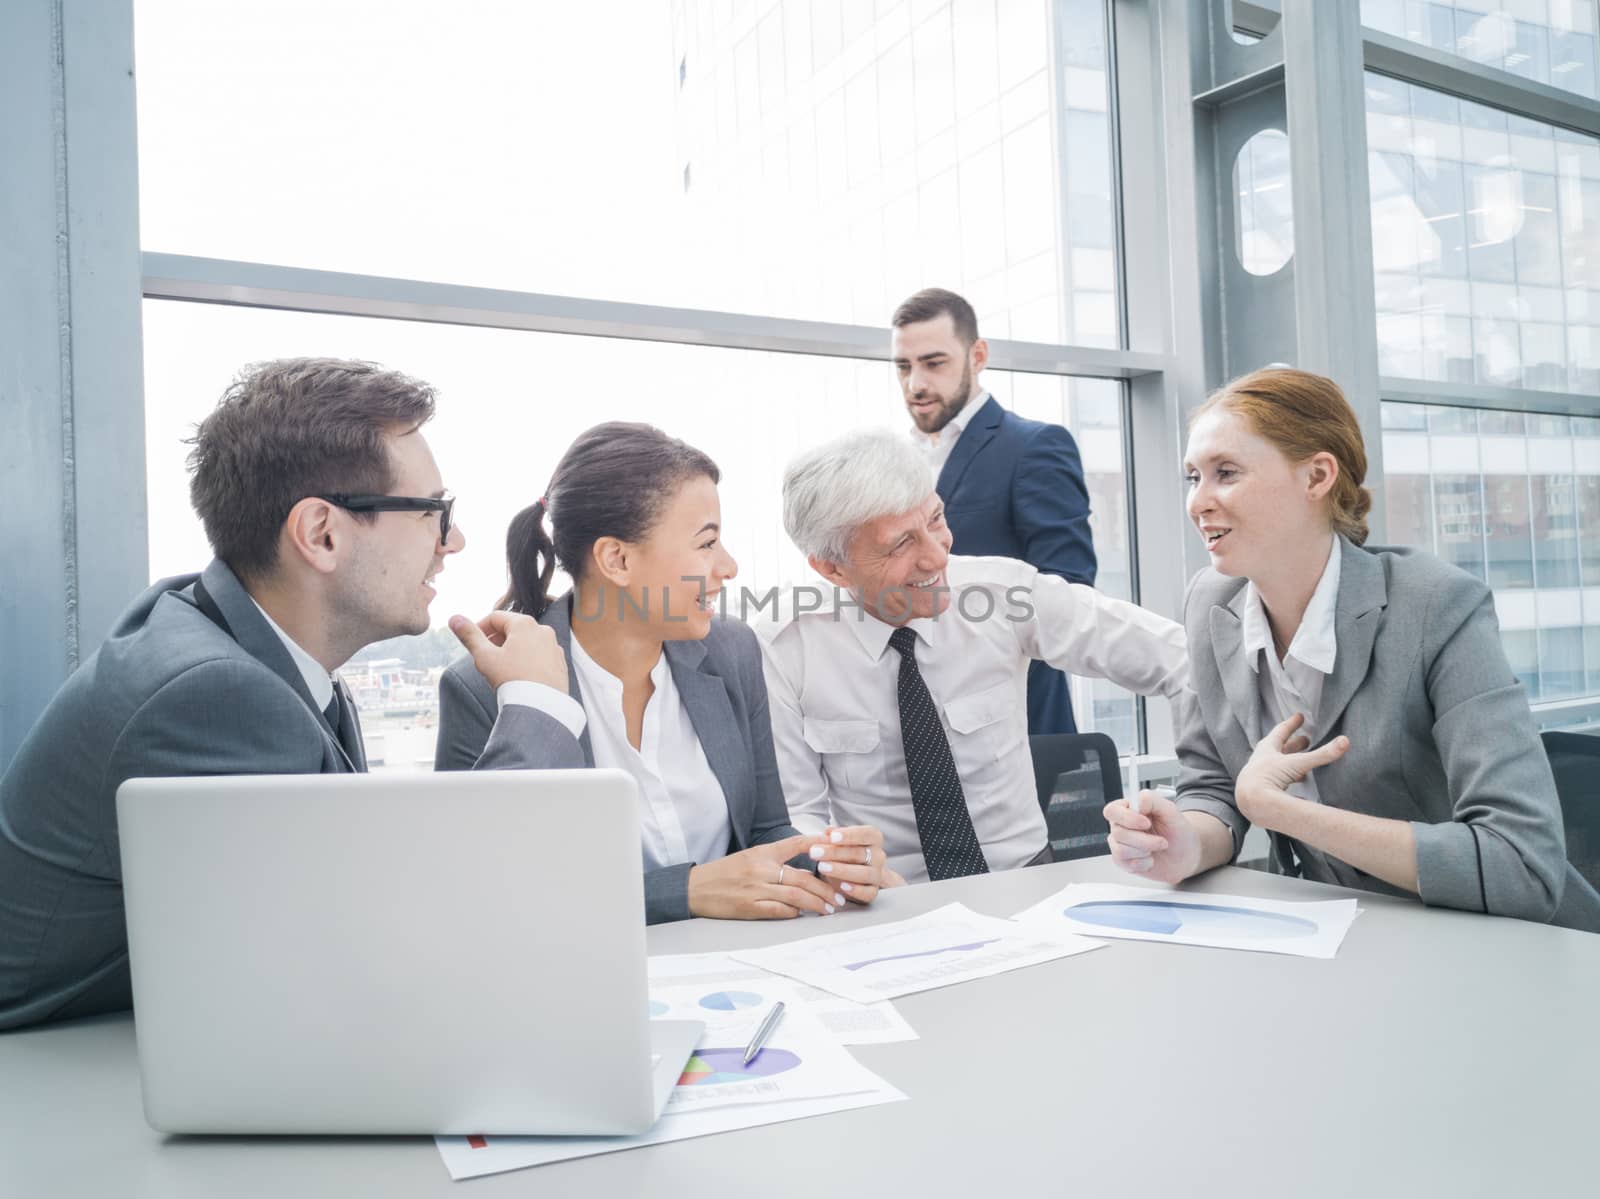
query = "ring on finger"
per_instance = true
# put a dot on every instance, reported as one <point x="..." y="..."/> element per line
<point x="781" y="869"/>
<point x="869" y="855"/>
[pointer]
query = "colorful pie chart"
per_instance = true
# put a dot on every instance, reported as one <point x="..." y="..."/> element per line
<point x="710" y="1066"/>
<point x="1199" y="919"/>
<point x="729" y="1001"/>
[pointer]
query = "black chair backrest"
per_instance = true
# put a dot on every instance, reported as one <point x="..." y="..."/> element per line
<point x="1575" y="761"/>
<point x="1076" y="775"/>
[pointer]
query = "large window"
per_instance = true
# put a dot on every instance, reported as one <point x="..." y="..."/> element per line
<point x="1515" y="500"/>
<point x="510" y="403"/>
<point x="806" y="158"/>
<point x="1547" y="41"/>
<point x="1486" y="235"/>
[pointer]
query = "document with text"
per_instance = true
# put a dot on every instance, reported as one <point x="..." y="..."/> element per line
<point x="948" y="945"/>
<point x="706" y="986"/>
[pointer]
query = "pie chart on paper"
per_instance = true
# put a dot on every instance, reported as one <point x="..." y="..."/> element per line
<point x="1165" y="918"/>
<point x="710" y="1066"/>
<point x="729" y="1001"/>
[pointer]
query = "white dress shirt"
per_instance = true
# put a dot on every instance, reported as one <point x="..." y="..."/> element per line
<point x="936" y="447"/>
<point x="833" y="685"/>
<point x="683" y="814"/>
<point x="318" y="681"/>
<point x="1294" y="684"/>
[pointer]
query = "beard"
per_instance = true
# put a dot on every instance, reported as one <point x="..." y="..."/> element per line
<point x="368" y="603"/>
<point x="948" y="407"/>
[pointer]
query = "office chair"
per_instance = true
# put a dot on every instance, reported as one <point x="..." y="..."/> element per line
<point x="1076" y="775"/>
<point x="1575" y="761"/>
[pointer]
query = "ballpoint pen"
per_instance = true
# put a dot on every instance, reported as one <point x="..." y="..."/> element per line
<point x="762" y="1033"/>
<point x="1138" y="796"/>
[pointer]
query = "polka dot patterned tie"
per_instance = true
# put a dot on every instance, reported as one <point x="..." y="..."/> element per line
<point x="949" y="844"/>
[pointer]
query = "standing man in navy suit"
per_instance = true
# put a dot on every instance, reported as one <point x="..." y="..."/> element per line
<point x="1011" y="487"/>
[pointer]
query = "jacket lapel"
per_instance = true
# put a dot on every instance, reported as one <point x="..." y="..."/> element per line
<point x="255" y="636"/>
<point x="1238" y="680"/>
<point x="250" y="629"/>
<point x="705" y="698"/>
<point x="979" y="432"/>
<point x="1363" y="594"/>
<point x="558" y="619"/>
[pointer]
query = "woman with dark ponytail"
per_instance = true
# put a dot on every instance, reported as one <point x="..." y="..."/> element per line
<point x="657" y="685"/>
<point x="1351" y="700"/>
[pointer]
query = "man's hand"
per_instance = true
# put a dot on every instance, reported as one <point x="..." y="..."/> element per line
<point x="509" y="647"/>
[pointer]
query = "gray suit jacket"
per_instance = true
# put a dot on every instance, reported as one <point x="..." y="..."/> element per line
<point x="173" y="691"/>
<point x="724" y="693"/>
<point x="1440" y="735"/>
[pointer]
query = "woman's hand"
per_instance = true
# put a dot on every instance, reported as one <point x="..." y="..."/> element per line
<point x="852" y="859"/>
<point x="758" y="884"/>
<point x="1157" y="841"/>
<point x="1280" y="760"/>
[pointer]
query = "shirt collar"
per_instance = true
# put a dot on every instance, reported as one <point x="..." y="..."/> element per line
<point x="318" y="681"/>
<point x="874" y="634"/>
<point x="1315" y="643"/>
<point x="957" y="425"/>
<point x="595" y="677"/>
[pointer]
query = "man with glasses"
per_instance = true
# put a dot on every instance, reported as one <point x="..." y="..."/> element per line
<point x="329" y="521"/>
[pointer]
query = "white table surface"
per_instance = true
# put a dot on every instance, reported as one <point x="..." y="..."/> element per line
<point x="1440" y="1053"/>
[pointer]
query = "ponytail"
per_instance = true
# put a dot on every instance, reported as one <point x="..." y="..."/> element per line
<point x="531" y="561"/>
<point x="612" y="482"/>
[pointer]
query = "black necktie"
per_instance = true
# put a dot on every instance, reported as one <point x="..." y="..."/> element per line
<point x="341" y="714"/>
<point x="949" y="844"/>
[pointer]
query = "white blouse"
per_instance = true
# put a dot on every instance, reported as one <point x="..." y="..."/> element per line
<point x="683" y="814"/>
<point x="1295" y="684"/>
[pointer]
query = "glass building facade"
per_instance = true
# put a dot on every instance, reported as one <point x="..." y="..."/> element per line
<point x="819" y="160"/>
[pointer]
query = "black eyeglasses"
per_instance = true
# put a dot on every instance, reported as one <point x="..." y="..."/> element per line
<point x="398" y="503"/>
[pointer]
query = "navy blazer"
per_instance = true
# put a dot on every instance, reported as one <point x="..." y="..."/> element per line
<point x="725" y="694"/>
<point x="1013" y="488"/>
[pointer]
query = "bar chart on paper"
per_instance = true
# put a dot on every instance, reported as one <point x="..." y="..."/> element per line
<point x="948" y="945"/>
<point x="936" y="951"/>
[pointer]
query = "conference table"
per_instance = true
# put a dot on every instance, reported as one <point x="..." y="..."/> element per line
<point x="1440" y="1053"/>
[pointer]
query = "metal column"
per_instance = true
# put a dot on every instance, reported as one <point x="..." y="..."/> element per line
<point x="72" y="477"/>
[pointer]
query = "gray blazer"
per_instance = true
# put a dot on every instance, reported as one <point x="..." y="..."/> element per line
<point x="191" y="681"/>
<point x="724" y="693"/>
<point x="1440" y="735"/>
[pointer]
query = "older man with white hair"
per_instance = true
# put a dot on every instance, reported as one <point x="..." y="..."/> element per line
<point x="928" y="742"/>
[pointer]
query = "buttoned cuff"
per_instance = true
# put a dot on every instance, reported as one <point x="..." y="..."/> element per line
<point x="546" y="699"/>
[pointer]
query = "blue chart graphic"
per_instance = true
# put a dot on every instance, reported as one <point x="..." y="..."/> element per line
<point x="1201" y="919"/>
<point x="657" y="1008"/>
<point x="710" y="1066"/>
<point x="729" y="1001"/>
<point x="922" y="953"/>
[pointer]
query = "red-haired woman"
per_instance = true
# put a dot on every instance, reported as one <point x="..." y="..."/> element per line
<point x="1353" y="701"/>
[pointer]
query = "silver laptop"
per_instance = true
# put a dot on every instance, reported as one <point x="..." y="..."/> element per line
<point x="393" y="953"/>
